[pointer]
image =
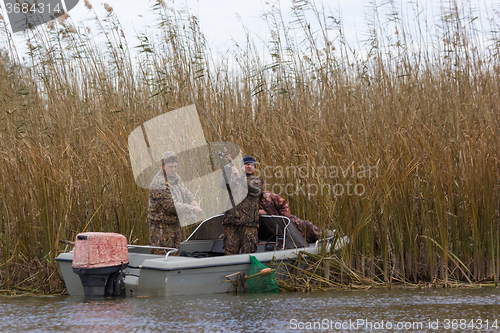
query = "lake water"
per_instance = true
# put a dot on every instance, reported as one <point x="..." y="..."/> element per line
<point x="440" y="310"/>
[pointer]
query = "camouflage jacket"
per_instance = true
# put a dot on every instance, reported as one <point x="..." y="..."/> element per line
<point x="273" y="204"/>
<point x="246" y="211"/>
<point x="168" y="200"/>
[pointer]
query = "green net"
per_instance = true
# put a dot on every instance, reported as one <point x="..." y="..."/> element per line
<point x="259" y="279"/>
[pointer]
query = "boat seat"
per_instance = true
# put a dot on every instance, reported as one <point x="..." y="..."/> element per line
<point x="197" y="246"/>
<point x="218" y="246"/>
<point x="202" y="248"/>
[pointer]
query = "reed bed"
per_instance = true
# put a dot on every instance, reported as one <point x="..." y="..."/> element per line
<point x="408" y="122"/>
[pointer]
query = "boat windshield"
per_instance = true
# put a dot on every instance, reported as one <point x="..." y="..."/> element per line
<point x="211" y="228"/>
<point x="272" y="228"/>
<point x="280" y="229"/>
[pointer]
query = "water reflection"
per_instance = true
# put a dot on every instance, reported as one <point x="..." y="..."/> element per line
<point x="100" y="314"/>
<point x="284" y="312"/>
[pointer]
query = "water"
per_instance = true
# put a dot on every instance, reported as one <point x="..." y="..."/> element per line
<point x="474" y="310"/>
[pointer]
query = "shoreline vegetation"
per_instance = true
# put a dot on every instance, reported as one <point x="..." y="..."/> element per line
<point x="418" y="103"/>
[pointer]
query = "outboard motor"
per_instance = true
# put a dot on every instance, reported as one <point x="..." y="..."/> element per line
<point x="99" y="259"/>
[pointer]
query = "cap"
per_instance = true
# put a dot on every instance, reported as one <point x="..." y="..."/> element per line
<point x="169" y="157"/>
<point x="248" y="159"/>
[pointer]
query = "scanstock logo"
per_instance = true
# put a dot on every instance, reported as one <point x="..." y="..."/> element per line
<point x="25" y="14"/>
<point x="200" y="163"/>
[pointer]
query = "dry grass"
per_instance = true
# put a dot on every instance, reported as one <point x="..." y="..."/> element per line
<point x="419" y="105"/>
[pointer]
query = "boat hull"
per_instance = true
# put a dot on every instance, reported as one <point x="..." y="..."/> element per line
<point x="169" y="275"/>
<point x="155" y="275"/>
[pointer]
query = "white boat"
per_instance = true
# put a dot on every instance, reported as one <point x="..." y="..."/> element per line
<point x="200" y="266"/>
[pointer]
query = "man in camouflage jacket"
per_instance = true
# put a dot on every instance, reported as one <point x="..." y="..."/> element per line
<point x="272" y="204"/>
<point x="168" y="198"/>
<point x="241" y="222"/>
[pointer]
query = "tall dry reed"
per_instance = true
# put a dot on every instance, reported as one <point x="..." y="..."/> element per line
<point x="410" y="121"/>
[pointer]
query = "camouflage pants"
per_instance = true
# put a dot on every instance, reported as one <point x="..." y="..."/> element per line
<point x="309" y="231"/>
<point x="238" y="238"/>
<point x="164" y="235"/>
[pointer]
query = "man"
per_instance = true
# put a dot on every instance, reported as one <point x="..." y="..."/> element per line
<point x="168" y="198"/>
<point x="241" y="221"/>
<point x="272" y="204"/>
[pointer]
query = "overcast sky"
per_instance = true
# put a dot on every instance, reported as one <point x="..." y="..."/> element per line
<point x="222" y="21"/>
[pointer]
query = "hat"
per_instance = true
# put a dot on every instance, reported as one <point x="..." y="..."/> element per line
<point x="169" y="157"/>
<point x="248" y="159"/>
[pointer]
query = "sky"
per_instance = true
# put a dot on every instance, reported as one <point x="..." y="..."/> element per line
<point x="223" y="21"/>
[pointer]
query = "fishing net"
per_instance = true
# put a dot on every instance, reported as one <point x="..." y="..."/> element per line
<point x="260" y="278"/>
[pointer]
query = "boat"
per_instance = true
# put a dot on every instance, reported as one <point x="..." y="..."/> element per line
<point x="199" y="266"/>
<point x="103" y="264"/>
